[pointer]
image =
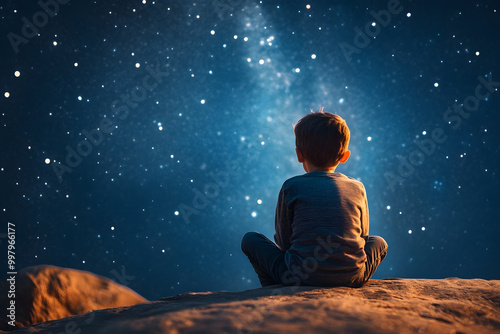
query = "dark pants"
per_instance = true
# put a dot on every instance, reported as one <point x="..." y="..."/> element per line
<point x="268" y="260"/>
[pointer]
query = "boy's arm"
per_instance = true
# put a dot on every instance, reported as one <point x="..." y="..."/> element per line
<point x="365" y="220"/>
<point x="282" y="223"/>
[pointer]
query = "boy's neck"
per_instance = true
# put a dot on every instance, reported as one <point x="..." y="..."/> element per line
<point x="310" y="168"/>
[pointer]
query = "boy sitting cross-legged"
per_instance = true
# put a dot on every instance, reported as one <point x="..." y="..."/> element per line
<point x="321" y="217"/>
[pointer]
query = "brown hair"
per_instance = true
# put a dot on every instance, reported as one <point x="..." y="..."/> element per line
<point x="322" y="138"/>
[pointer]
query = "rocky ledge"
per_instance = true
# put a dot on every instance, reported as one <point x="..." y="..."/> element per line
<point x="449" y="305"/>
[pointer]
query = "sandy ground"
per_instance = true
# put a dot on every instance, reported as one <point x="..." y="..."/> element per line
<point x="382" y="306"/>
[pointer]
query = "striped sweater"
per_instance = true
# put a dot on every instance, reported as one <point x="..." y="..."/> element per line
<point x="322" y="222"/>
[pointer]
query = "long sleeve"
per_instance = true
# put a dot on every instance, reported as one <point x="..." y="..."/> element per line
<point x="321" y="207"/>
<point x="283" y="223"/>
<point x="365" y="223"/>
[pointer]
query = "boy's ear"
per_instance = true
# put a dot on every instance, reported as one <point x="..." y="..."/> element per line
<point x="345" y="156"/>
<point x="300" y="157"/>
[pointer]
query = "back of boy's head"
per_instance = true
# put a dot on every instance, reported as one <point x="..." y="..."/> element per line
<point x="322" y="138"/>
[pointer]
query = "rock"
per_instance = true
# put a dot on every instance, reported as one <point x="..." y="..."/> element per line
<point x="46" y="293"/>
<point x="381" y="306"/>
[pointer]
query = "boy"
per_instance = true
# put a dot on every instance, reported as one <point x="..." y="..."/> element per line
<point x="321" y="217"/>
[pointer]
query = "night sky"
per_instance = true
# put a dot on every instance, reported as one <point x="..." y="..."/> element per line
<point x="141" y="139"/>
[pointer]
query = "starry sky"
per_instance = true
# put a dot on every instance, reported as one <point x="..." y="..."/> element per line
<point x="141" y="139"/>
